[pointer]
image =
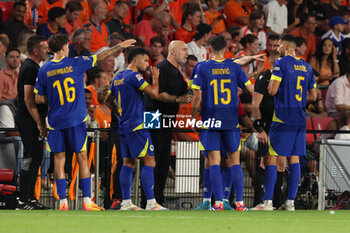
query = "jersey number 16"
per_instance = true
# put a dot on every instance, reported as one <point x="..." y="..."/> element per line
<point x="69" y="91"/>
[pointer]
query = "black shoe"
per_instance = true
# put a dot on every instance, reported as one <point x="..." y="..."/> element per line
<point x="38" y="206"/>
<point x="24" y="205"/>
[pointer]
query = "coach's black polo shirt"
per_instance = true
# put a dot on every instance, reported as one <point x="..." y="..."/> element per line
<point x="170" y="81"/>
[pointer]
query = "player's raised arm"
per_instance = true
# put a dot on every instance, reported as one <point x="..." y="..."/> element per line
<point x="109" y="52"/>
<point x="153" y="90"/>
<point x="246" y="60"/>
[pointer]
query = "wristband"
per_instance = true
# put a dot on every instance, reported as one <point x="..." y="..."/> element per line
<point x="258" y="125"/>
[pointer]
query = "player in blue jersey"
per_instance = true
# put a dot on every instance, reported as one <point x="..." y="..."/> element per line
<point x="127" y="89"/>
<point x="215" y="86"/>
<point x="291" y="81"/>
<point x="61" y="83"/>
<point x="227" y="168"/>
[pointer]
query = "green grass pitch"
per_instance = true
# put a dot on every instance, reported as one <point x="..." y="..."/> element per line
<point x="173" y="221"/>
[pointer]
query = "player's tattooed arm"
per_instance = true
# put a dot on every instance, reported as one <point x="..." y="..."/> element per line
<point x="109" y="52"/>
<point x="272" y="89"/>
<point x="111" y="104"/>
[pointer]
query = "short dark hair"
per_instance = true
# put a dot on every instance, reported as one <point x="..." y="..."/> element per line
<point x="299" y="41"/>
<point x="19" y="3"/>
<point x="133" y="52"/>
<point x="11" y="50"/>
<point x="250" y="38"/>
<point x="289" y="38"/>
<point x="92" y="74"/>
<point x="55" y="12"/>
<point x="74" y="6"/>
<point x="191" y="57"/>
<point x="234" y="30"/>
<point x="273" y="37"/>
<point x="87" y="91"/>
<point x="57" y="41"/>
<point x="304" y="18"/>
<point x="33" y="42"/>
<point x="217" y="43"/>
<point x="158" y="39"/>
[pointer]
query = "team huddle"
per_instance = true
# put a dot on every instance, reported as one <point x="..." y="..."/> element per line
<point x="216" y="85"/>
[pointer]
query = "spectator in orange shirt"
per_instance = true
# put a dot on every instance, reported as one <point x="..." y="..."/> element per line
<point x="301" y="47"/>
<point x="271" y="45"/>
<point x="236" y="13"/>
<point x="96" y="78"/>
<point x="102" y="112"/>
<point x="99" y="31"/>
<point x="155" y="50"/>
<point x="147" y="9"/>
<point x="190" y="19"/>
<point x="31" y="16"/>
<point x="306" y="30"/>
<point x="85" y="13"/>
<point x="175" y="9"/>
<point x="250" y="45"/>
<point x="73" y="11"/>
<point x="158" y="26"/>
<point x="45" y="6"/>
<point x="214" y="18"/>
<point x="228" y="37"/>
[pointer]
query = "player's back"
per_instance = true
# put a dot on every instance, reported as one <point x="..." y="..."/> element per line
<point x="296" y="78"/>
<point x="218" y="81"/>
<point x="125" y="86"/>
<point x="62" y="82"/>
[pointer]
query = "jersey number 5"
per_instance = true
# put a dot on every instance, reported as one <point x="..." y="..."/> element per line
<point x="214" y="82"/>
<point x="70" y="91"/>
<point x="299" y="87"/>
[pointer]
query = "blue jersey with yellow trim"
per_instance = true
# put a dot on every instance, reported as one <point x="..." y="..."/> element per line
<point x="62" y="82"/>
<point x="127" y="88"/>
<point x="218" y="81"/>
<point x="296" y="77"/>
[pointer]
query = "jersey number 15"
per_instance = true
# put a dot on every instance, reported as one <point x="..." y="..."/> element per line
<point x="224" y="101"/>
<point x="69" y="91"/>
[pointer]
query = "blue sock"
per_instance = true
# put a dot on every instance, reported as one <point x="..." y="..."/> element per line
<point x="226" y="176"/>
<point x="61" y="186"/>
<point x="294" y="178"/>
<point x="125" y="178"/>
<point x="207" y="189"/>
<point x="85" y="185"/>
<point x="237" y="181"/>
<point x="269" y="182"/>
<point x="147" y="180"/>
<point x="215" y="180"/>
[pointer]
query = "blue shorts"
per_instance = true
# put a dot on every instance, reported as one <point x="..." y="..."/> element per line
<point x="223" y="152"/>
<point x="76" y="137"/>
<point x="136" y="144"/>
<point x="287" y="140"/>
<point x="215" y="140"/>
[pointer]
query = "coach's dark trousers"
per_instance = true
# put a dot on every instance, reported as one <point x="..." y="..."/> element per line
<point x="162" y="144"/>
<point x="32" y="158"/>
